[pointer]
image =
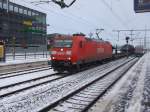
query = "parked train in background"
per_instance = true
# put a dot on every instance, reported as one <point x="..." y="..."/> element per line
<point x="139" y="51"/>
<point x="127" y="49"/>
<point x="131" y="50"/>
<point x="72" y="51"/>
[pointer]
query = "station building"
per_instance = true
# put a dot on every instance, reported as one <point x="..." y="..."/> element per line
<point x="22" y="27"/>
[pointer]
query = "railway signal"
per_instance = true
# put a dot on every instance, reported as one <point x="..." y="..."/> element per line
<point x="127" y="40"/>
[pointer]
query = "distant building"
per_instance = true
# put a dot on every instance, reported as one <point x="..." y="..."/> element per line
<point x="22" y="27"/>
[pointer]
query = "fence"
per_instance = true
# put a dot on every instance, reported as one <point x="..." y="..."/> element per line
<point x="27" y="55"/>
<point x="32" y="52"/>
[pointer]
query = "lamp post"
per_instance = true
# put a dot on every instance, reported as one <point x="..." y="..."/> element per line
<point x="116" y="49"/>
<point x="127" y="40"/>
<point x="14" y="44"/>
<point x="7" y="3"/>
<point x="47" y="25"/>
<point x="7" y="6"/>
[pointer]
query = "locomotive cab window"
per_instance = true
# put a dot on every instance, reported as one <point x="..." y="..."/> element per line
<point x="63" y="43"/>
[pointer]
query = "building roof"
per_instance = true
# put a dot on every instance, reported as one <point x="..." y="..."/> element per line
<point x="25" y="8"/>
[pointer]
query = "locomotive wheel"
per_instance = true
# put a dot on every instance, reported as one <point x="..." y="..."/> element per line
<point x="59" y="70"/>
<point x="78" y="67"/>
<point x="71" y="69"/>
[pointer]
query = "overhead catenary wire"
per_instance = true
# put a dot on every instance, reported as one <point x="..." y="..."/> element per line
<point x="72" y="17"/>
<point x="76" y="18"/>
<point x="115" y="14"/>
<point x="61" y="3"/>
<point x="87" y="21"/>
<point x="132" y="19"/>
<point x="54" y="12"/>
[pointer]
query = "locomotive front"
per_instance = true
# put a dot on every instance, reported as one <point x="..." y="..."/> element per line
<point x="61" y="54"/>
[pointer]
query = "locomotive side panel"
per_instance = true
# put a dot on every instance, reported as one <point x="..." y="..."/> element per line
<point x="74" y="51"/>
<point x="77" y="50"/>
<point x="104" y="50"/>
<point x="90" y="51"/>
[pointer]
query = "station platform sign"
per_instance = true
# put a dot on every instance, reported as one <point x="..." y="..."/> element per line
<point x="141" y="6"/>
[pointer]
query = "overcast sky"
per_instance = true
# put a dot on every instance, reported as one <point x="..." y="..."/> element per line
<point x="87" y="15"/>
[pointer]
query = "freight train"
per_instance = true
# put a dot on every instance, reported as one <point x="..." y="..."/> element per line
<point x="127" y="49"/>
<point x="71" y="52"/>
<point x="139" y="51"/>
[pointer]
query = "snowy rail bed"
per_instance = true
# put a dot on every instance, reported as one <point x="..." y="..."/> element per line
<point x="85" y="98"/>
<point x="9" y="67"/>
<point x="37" y="98"/>
<point x="131" y="93"/>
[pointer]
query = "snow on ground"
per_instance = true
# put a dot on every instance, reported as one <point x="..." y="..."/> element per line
<point x="21" y="59"/>
<point x="36" y="98"/>
<point x="11" y="62"/>
<point x="127" y="94"/>
<point x="21" y="78"/>
<point x="146" y="93"/>
<point x="135" y="103"/>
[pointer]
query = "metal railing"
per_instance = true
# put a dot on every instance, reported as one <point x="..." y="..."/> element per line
<point x="27" y="55"/>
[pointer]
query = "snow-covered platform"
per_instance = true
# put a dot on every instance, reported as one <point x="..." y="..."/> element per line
<point x="13" y="62"/>
<point x="131" y="93"/>
<point x="13" y="65"/>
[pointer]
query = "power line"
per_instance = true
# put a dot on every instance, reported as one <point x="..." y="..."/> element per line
<point x="85" y="20"/>
<point x="53" y="13"/>
<point x="114" y="13"/>
<point x="72" y="17"/>
<point x="137" y="30"/>
<point x="61" y="3"/>
<point x="79" y="19"/>
<point x="64" y="15"/>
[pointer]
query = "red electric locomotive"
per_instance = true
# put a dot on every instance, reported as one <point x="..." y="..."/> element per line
<point x="70" y="52"/>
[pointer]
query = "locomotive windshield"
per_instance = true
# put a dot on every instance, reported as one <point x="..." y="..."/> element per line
<point x="63" y="43"/>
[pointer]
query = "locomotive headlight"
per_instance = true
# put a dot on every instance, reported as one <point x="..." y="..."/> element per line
<point x="53" y="57"/>
<point x="53" y="52"/>
<point x="68" y="52"/>
<point x="69" y="58"/>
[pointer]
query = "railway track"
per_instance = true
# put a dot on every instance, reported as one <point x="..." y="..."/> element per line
<point x="9" y="67"/>
<point x="31" y="83"/>
<point x="27" y="71"/>
<point x="23" y="72"/>
<point x="28" y="84"/>
<point x="82" y="99"/>
<point x="54" y="88"/>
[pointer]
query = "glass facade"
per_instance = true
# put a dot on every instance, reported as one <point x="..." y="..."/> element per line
<point x="21" y="25"/>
